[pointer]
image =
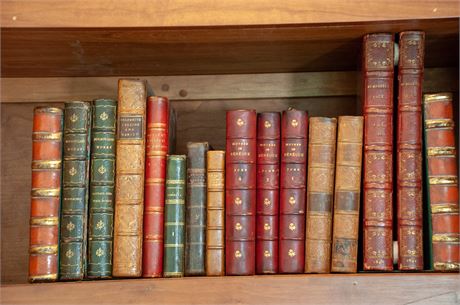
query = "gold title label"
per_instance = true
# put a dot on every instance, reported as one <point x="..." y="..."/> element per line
<point x="439" y="123"/>
<point x="44" y="249"/>
<point x="443" y="180"/>
<point x="441" y="151"/>
<point x="445" y="238"/>
<point x="48" y="164"/>
<point x="46" y="192"/>
<point x="444" y="208"/>
<point x="46" y="221"/>
<point x="427" y="98"/>
<point x="53" y="136"/>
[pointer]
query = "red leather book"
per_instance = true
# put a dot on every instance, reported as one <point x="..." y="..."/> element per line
<point x="240" y="192"/>
<point x="409" y="151"/>
<point x="378" y="151"/>
<point x="268" y="163"/>
<point x="294" y="129"/>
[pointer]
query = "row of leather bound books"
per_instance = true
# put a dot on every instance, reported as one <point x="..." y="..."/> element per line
<point x="111" y="199"/>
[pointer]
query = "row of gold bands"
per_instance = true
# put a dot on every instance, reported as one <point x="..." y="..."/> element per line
<point x="44" y="221"/>
<point x="443" y="180"/>
<point x="450" y="266"/>
<point x="39" y="136"/>
<point x="441" y="151"/>
<point x="157" y="125"/>
<point x="439" y="123"/>
<point x="46" y="164"/>
<point x="444" y="208"/>
<point x="378" y="110"/>
<point x="448" y="238"/>
<point x="445" y="96"/>
<point x="45" y="109"/>
<point x="44" y="249"/>
<point x="46" y="192"/>
<point x="44" y="277"/>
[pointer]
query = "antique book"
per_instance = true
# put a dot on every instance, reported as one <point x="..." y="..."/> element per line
<point x="320" y="194"/>
<point x="102" y="189"/>
<point x="75" y="177"/>
<point x="215" y="219"/>
<point x="294" y="130"/>
<point x="240" y="183"/>
<point x="195" y="214"/>
<point x="174" y="230"/>
<point x="129" y="179"/>
<point x="45" y="195"/>
<point x="347" y="194"/>
<point x="442" y="180"/>
<point x="409" y="151"/>
<point x="378" y="53"/>
<point x="268" y="164"/>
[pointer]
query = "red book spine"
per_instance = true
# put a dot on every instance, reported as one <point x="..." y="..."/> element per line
<point x="378" y="152"/>
<point x="157" y="145"/>
<point x="294" y="128"/>
<point x="240" y="192"/>
<point x="268" y="163"/>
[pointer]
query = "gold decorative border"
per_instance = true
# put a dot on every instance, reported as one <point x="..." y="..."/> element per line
<point x="46" y="164"/>
<point x="438" y="123"/>
<point x="44" y="221"/>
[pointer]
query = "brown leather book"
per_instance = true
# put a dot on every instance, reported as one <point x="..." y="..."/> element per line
<point x="320" y="194"/>
<point x="129" y="183"/>
<point x="347" y="194"/>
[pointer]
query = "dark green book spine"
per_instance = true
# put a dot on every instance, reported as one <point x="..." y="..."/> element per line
<point x="77" y="122"/>
<point x="174" y="217"/>
<point x="101" y="194"/>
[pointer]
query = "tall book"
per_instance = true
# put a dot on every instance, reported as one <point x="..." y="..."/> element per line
<point x="174" y="217"/>
<point x="129" y="179"/>
<point x="74" y="212"/>
<point x="442" y="178"/>
<point x="378" y="53"/>
<point x="45" y="195"/>
<point x="240" y="183"/>
<point x="215" y="219"/>
<point x="102" y="189"/>
<point x="347" y="194"/>
<point x="409" y="151"/>
<point x="195" y="216"/>
<point x="268" y="169"/>
<point x="294" y="130"/>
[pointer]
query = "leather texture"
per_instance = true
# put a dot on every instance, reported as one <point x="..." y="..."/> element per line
<point x="129" y="179"/>
<point x="378" y="62"/>
<point x="45" y="194"/>
<point x="347" y="194"/>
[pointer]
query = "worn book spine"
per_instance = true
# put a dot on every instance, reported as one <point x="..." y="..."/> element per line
<point x="157" y="147"/>
<point x="240" y="182"/>
<point x="268" y="164"/>
<point x="378" y="152"/>
<point x="294" y="130"/>
<point x="409" y="151"/>
<point x="347" y="195"/>
<point x="215" y="220"/>
<point x="442" y="178"/>
<point x="46" y="194"/>
<point x="102" y="189"/>
<point x="174" y="231"/>
<point x="74" y="214"/>
<point x="129" y="179"/>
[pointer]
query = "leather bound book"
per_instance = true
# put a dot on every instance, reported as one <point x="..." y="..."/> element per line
<point x="268" y="163"/>
<point x="174" y="217"/>
<point x="74" y="213"/>
<point x="46" y="194"/>
<point x="320" y="194"/>
<point x="129" y="179"/>
<point x="409" y="151"/>
<point x="378" y="152"/>
<point x="215" y="220"/>
<point x="240" y="182"/>
<point x="195" y="230"/>
<point x="294" y="130"/>
<point x="347" y="194"/>
<point x="157" y="147"/>
<point x="442" y="172"/>
<point x="102" y="189"/>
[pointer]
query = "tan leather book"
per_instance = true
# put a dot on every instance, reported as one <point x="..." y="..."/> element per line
<point x="347" y="194"/>
<point x="129" y="189"/>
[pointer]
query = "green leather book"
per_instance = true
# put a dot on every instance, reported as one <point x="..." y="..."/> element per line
<point x="72" y="253"/>
<point x="101" y="194"/>
<point x="173" y="262"/>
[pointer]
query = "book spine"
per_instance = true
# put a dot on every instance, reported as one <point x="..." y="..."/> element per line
<point x="240" y="182"/>
<point x="75" y="179"/>
<point x="294" y="130"/>
<point x="215" y="220"/>
<point x="409" y="151"/>
<point x="347" y="195"/>
<point x="442" y="172"/>
<point x="157" y="147"/>
<point x="174" y="217"/>
<point x="195" y="243"/>
<point x="129" y="179"/>
<point x="268" y="163"/>
<point x="378" y="152"/>
<point x="101" y="193"/>
<point x="45" y="194"/>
